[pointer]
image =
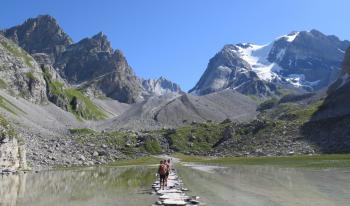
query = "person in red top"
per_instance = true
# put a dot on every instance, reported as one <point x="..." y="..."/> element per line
<point x="162" y="170"/>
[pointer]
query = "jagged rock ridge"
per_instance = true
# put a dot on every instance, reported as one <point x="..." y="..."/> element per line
<point x="40" y="35"/>
<point x="91" y="64"/>
<point x="94" y="65"/>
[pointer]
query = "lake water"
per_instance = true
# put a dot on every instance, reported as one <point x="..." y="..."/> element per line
<point x="267" y="186"/>
<point x="86" y="187"/>
<point x="221" y="186"/>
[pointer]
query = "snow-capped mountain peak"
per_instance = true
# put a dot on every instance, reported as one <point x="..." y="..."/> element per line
<point x="290" y="37"/>
<point x="309" y="60"/>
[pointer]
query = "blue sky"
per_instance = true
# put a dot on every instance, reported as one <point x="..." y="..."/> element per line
<point x="176" y="39"/>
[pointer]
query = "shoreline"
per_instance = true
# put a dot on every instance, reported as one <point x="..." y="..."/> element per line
<point x="317" y="161"/>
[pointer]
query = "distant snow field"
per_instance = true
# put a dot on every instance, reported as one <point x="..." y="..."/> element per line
<point x="256" y="56"/>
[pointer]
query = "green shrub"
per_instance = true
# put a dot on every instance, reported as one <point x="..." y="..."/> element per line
<point x="268" y="104"/>
<point x="8" y="130"/>
<point x="30" y="76"/>
<point x="152" y="146"/>
<point x="81" y="131"/>
<point x="198" y="137"/>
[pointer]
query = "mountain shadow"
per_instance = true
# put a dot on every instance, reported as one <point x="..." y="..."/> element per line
<point x="328" y="127"/>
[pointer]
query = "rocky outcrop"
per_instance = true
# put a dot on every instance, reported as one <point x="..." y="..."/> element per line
<point x="160" y="86"/>
<point x="346" y="63"/>
<point x="328" y="127"/>
<point x="94" y="65"/>
<point x="40" y="35"/>
<point x="12" y="152"/>
<point x="19" y="73"/>
<point x="337" y="101"/>
<point x="12" y="155"/>
<point x="42" y="58"/>
<point x="55" y="87"/>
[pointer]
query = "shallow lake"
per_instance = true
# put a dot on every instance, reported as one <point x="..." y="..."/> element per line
<point x="87" y="186"/>
<point x="267" y="186"/>
<point x="129" y="186"/>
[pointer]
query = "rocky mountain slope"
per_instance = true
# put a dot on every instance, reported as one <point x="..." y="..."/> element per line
<point x="95" y="66"/>
<point x="308" y="60"/>
<point x="72" y="74"/>
<point x="328" y="126"/>
<point x="20" y="75"/>
<point x="160" y="86"/>
<point x="337" y="102"/>
<point x="92" y="64"/>
<point x="23" y="77"/>
<point x="173" y="110"/>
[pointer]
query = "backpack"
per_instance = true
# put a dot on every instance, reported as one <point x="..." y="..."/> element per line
<point x="162" y="169"/>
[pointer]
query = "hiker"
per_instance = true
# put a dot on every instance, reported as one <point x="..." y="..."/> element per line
<point x="167" y="163"/>
<point x="162" y="170"/>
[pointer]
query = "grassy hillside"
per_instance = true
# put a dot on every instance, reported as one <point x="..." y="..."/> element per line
<point x="198" y="137"/>
<point x="74" y="100"/>
<point x="315" y="161"/>
<point x="277" y="131"/>
<point x="125" y="141"/>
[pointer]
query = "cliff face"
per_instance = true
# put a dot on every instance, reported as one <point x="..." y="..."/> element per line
<point x="329" y="125"/>
<point x="12" y="151"/>
<point x="12" y="155"/>
<point x="40" y="35"/>
<point x="20" y="74"/>
<point x="93" y="64"/>
<point x="337" y="101"/>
